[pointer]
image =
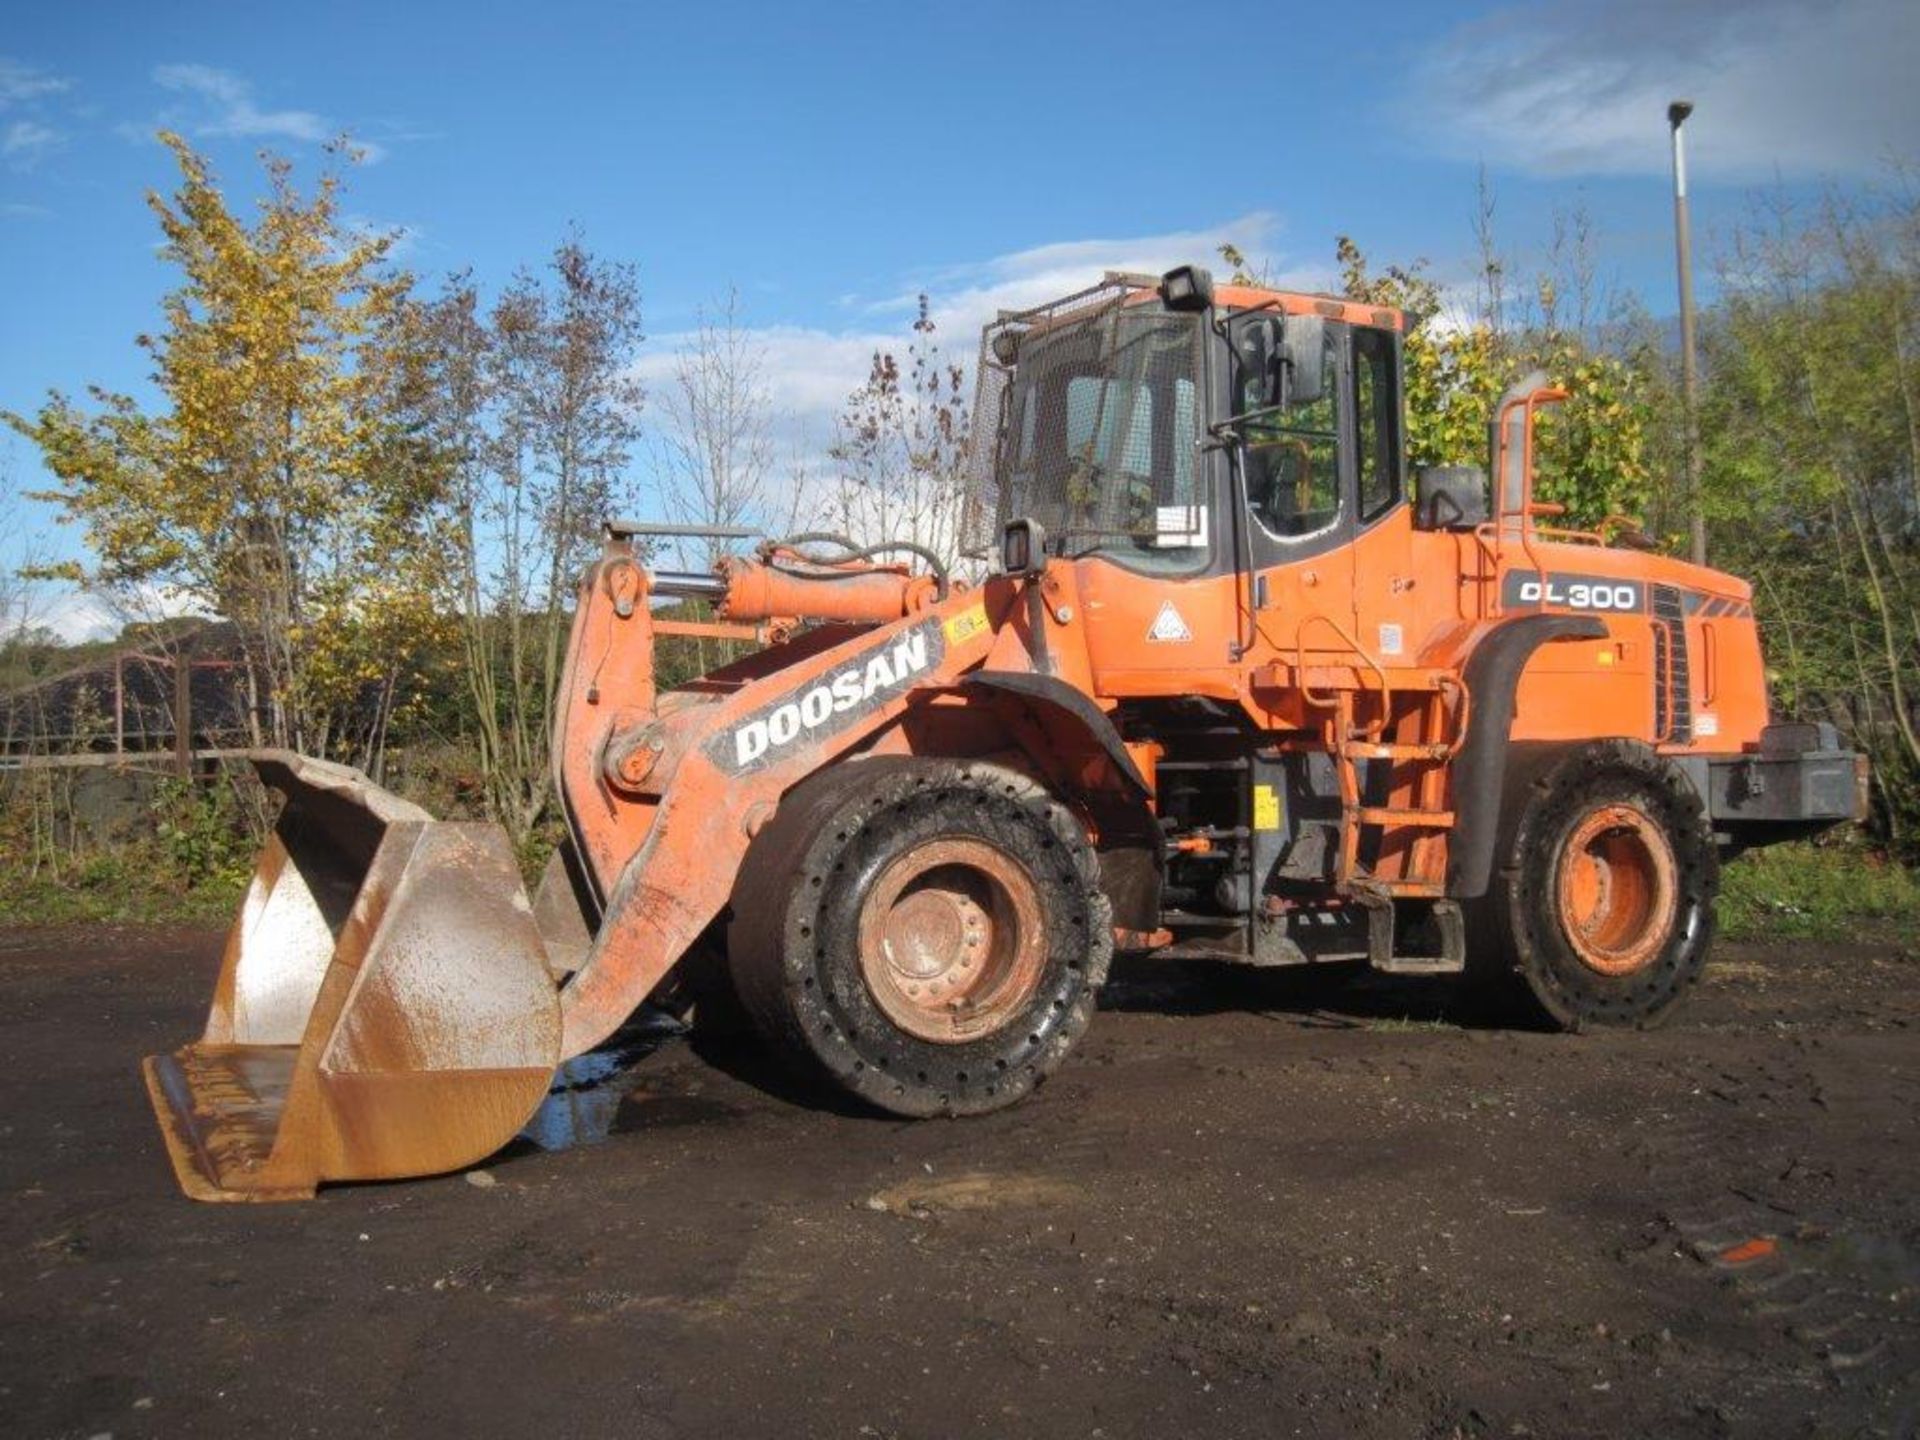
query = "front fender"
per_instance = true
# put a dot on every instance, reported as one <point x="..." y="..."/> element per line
<point x="1131" y="847"/>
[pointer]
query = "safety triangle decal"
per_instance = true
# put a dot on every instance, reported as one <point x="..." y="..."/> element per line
<point x="1168" y="626"/>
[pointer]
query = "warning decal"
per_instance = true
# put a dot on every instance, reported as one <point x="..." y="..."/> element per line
<point x="967" y="624"/>
<point x="1168" y="626"/>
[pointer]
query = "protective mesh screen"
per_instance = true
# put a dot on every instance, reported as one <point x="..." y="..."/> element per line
<point x="1092" y="430"/>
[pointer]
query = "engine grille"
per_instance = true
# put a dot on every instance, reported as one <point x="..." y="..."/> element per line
<point x="1672" y="680"/>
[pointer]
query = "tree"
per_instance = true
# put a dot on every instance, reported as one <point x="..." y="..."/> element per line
<point x="536" y="409"/>
<point x="283" y="484"/>
<point x="1810" y="429"/>
<point x="715" y="452"/>
<point x="21" y="627"/>
<point x="901" y="449"/>
<point x="1591" y="455"/>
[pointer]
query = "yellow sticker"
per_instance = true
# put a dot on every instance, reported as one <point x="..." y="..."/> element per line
<point x="1266" y="808"/>
<point x="967" y="624"/>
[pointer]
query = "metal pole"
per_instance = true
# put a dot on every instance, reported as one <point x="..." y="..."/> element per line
<point x="183" y="709"/>
<point x="1677" y="114"/>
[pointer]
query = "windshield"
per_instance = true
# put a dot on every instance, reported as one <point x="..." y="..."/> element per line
<point x="1100" y="441"/>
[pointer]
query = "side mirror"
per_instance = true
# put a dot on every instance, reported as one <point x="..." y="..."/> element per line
<point x="1449" y="497"/>
<point x="1257" y="347"/>
<point x="1305" y="357"/>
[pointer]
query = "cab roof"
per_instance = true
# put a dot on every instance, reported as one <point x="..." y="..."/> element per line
<point x="1125" y="288"/>
<point x="1292" y="302"/>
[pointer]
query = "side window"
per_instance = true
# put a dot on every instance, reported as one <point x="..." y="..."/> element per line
<point x="1376" y="421"/>
<point x="1292" y="462"/>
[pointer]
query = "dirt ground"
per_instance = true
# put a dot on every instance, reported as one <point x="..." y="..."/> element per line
<point x="1251" y="1204"/>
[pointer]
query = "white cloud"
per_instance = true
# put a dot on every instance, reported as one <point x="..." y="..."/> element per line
<point x="966" y="297"/>
<point x="27" y="139"/>
<point x="810" y="370"/>
<point x="25" y="143"/>
<point x="21" y="83"/>
<point x="221" y="106"/>
<point x="1781" y="87"/>
<point x="77" y="616"/>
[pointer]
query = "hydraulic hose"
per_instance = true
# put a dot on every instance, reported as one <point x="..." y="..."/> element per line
<point x="851" y="553"/>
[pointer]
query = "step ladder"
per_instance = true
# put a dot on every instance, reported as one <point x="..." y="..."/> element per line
<point x="1423" y="816"/>
<point x="1417" y="722"/>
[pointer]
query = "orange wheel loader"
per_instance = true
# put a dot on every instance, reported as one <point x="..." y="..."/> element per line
<point x="1235" y="686"/>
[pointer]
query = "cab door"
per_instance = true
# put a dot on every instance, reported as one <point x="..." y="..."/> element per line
<point x="1299" y="516"/>
<point x="1385" y="598"/>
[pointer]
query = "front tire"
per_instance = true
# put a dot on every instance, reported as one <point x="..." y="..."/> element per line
<point x="931" y="934"/>
<point x="1603" y="905"/>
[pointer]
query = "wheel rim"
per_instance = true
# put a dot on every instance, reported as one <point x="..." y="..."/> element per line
<point x="951" y="945"/>
<point x="1617" y="890"/>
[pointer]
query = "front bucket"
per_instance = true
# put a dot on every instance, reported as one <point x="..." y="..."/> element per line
<point x="384" y="1007"/>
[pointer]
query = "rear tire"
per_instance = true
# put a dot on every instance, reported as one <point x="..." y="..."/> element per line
<point x="931" y="934"/>
<point x="1602" y="909"/>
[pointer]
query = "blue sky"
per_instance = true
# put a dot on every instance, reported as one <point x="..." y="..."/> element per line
<point x="831" y="160"/>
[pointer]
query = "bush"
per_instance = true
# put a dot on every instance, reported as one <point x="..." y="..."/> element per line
<point x="205" y="833"/>
<point x="162" y="849"/>
<point x="1825" y="891"/>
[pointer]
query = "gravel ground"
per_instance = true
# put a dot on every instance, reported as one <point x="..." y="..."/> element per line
<point x="1252" y="1204"/>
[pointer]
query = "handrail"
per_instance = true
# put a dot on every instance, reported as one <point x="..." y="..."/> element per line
<point x="1327" y="703"/>
<point x="1522" y="515"/>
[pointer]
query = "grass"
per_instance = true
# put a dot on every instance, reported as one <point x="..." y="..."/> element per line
<point x="1406" y="1025"/>
<point x="1818" y="892"/>
<point x="129" y="883"/>
<point x="184" y="858"/>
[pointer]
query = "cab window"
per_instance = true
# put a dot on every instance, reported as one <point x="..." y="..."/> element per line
<point x="1292" y="462"/>
<point x="1376" y="415"/>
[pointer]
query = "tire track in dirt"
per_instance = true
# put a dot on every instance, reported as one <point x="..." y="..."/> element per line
<point x="1840" y="1295"/>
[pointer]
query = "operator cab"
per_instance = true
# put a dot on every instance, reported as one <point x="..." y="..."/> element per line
<point x="1177" y="429"/>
